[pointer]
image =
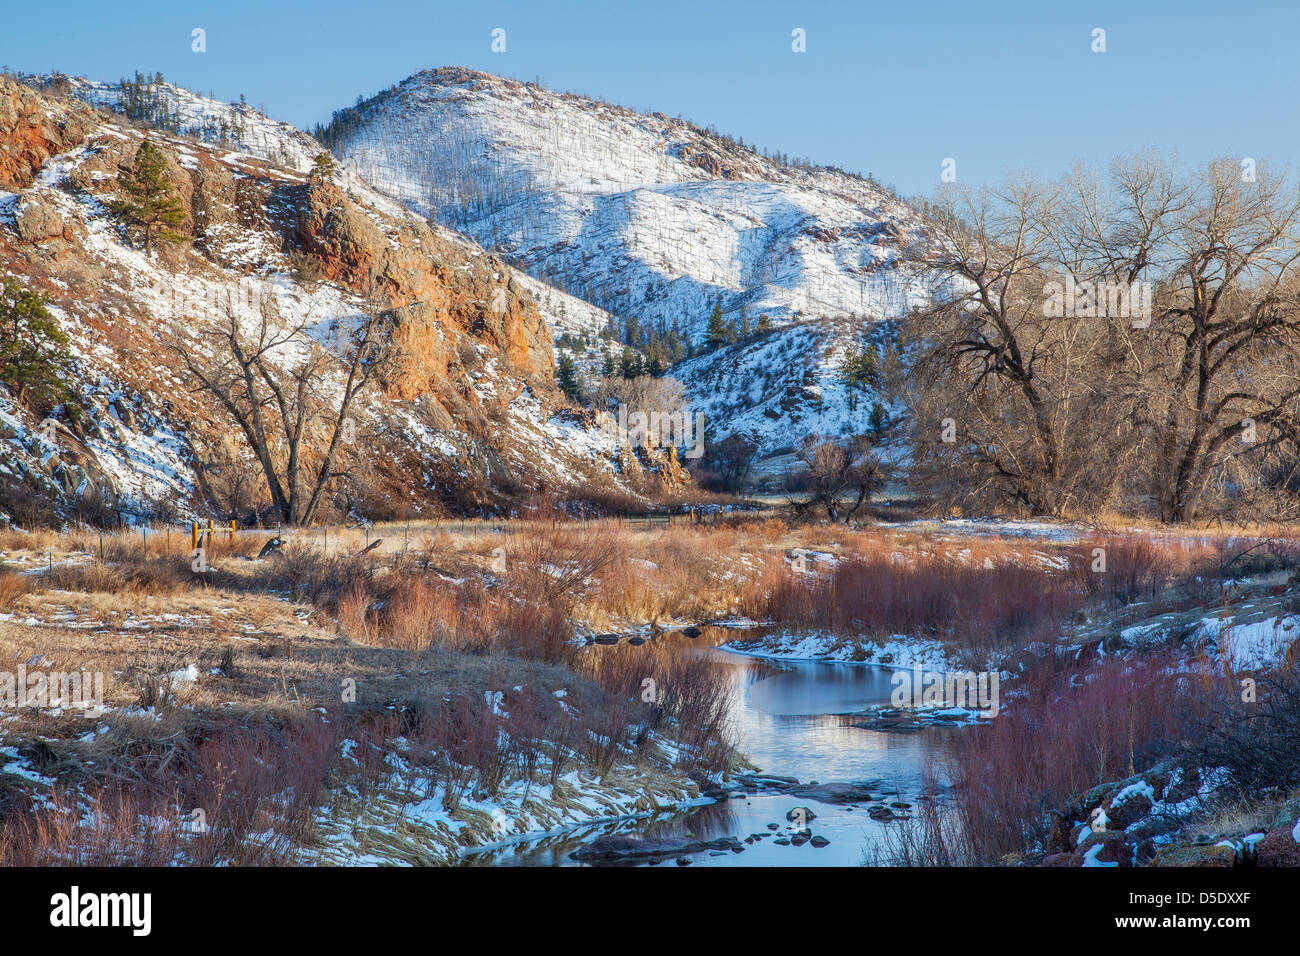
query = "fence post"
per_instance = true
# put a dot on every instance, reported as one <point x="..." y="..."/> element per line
<point x="233" y="528"/>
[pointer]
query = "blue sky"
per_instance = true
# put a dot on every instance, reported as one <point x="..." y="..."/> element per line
<point x="887" y="88"/>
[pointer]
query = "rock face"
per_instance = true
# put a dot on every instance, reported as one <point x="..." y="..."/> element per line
<point x="1195" y="856"/>
<point x="653" y="459"/>
<point x="436" y="282"/>
<point x="1278" y="848"/>
<point x="30" y="133"/>
<point x="465" y="416"/>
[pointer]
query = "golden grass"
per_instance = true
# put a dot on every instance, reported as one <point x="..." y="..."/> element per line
<point x="446" y="611"/>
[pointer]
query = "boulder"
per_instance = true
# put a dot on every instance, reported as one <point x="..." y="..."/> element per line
<point x="836" y="793"/>
<point x="1121" y="815"/>
<point x="1278" y="848"/>
<point x="37" y="222"/>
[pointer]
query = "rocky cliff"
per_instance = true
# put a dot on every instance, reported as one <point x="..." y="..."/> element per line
<point x="465" y="415"/>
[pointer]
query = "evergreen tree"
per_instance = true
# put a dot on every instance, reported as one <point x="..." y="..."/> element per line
<point x="566" y="376"/>
<point x="718" y="333"/>
<point x="151" y="201"/>
<point x="764" y="324"/>
<point x="879" y="420"/>
<point x="324" y="166"/>
<point x="860" y="371"/>
<point x="629" y="366"/>
<point x="34" y="360"/>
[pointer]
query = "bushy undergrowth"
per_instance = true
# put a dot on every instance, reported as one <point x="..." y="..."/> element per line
<point x="255" y="787"/>
<point x="1065" y="730"/>
<point x="1255" y="734"/>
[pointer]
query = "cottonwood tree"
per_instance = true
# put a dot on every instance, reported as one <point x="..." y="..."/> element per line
<point x="229" y="476"/>
<point x="838" y="478"/>
<point x="998" y="393"/>
<point x="732" y="459"/>
<point x="1171" y="373"/>
<point x="1216" y="377"/>
<point x="643" y="393"/>
<point x="291" y="393"/>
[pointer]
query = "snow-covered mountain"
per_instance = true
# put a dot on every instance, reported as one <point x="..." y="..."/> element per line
<point x="610" y="215"/>
<point x="465" y="418"/>
<point x="649" y="217"/>
<point x="237" y="127"/>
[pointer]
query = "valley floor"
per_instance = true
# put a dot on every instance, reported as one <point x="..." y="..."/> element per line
<point x="461" y="686"/>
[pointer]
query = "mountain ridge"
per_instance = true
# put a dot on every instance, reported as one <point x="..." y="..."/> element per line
<point x="654" y="220"/>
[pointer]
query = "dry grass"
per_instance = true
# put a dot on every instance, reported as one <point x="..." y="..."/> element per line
<point x="272" y="641"/>
<point x="12" y="587"/>
<point x="441" y="614"/>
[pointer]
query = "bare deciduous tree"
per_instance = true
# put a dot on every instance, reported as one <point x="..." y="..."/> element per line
<point x="839" y="478"/>
<point x="999" y="392"/>
<point x="291" y="394"/>
<point x="1171" y="371"/>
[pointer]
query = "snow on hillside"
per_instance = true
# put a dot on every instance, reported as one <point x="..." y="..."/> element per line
<point x="640" y="214"/>
<point x="781" y="387"/>
<point x="644" y="216"/>
<point x="140" y="414"/>
<point x="613" y="214"/>
<point x="235" y="126"/>
<point x="242" y="129"/>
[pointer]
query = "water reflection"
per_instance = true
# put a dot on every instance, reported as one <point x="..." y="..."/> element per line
<point x="787" y="721"/>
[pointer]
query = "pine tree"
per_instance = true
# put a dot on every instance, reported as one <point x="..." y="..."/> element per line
<point x="151" y="201"/>
<point x="879" y="420"/>
<point x="33" y="349"/>
<point x="566" y="376"/>
<point x="324" y="166"/>
<point x="764" y="324"/>
<point x="860" y="371"/>
<point x="718" y="333"/>
<point x="849" y="373"/>
<point x="629" y="366"/>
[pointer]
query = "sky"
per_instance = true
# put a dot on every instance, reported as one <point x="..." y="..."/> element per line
<point x="892" y="89"/>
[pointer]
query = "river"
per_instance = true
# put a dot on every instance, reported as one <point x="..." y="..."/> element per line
<point x="788" y="722"/>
